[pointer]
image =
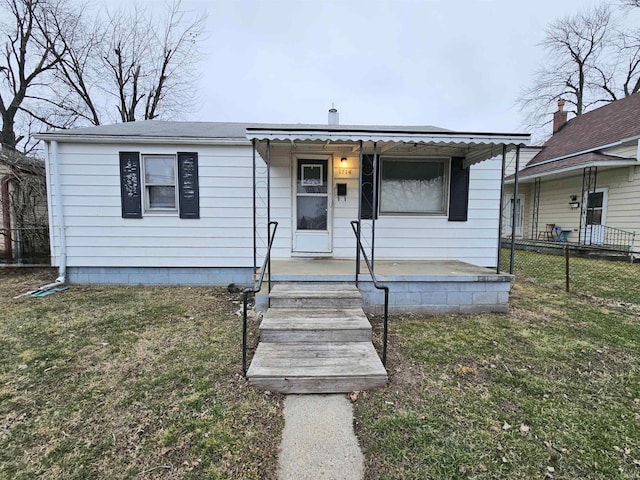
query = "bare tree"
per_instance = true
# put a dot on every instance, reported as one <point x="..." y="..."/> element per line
<point x="61" y="67"/>
<point x="573" y="67"/>
<point x="590" y="60"/>
<point x="26" y="59"/>
<point x="142" y="65"/>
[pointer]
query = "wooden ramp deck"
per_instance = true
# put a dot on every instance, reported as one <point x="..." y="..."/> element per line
<point x="315" y="338"/>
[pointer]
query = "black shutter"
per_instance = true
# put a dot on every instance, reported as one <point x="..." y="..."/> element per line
<point x="366" y="196"/>
<point x="188" y="187"/>
<point x="130" y="185"/>
<point x="458" y="191"/>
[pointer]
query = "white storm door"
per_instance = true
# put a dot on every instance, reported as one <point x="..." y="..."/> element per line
<point x="595" y="217"/>
<point x="312" y="206"/>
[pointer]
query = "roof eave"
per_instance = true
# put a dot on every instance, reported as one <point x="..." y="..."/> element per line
<point x="617" y="143"/>
<point x="524" y="178"/>
<point x="141" y="139"/>
<point x="522" y="139"/>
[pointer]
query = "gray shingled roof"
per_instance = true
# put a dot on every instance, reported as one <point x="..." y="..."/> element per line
<point x="157" y="128"/>
<point x="216" y="130"/>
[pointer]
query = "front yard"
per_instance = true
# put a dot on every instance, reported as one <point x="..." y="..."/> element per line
<point x="105" y="382"/>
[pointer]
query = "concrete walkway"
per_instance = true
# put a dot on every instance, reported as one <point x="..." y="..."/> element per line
<point x="318" y="441"/>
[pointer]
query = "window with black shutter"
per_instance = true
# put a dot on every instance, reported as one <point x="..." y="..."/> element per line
<point x="188" y="185"/>
<point x="366" y="191"/>
<point x="459" y="191"/>
<point x="159" y="184"/>
<point x="130" y="185"/>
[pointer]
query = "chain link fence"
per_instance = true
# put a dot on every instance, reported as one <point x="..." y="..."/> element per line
<point x="605" y="274"/>
<point x="24" y="246"/>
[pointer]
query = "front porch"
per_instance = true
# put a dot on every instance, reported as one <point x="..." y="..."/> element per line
<point x="415" y="286"/>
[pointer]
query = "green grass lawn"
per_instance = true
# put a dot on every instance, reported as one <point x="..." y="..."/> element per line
<point x="551" y="390"/>
<point x="110" y="382"/>
<point x="616" y="281"/>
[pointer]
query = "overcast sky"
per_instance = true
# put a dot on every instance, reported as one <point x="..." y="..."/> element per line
<point x="456" y="64"/>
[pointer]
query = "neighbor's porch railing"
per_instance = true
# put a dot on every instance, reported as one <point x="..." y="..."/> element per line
<point x="608" y="237"/>
<point x="355" y="225"/>
<point x="245" y="293"/>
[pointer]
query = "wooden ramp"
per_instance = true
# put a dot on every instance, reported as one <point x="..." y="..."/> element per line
<point x="315" y="338"/>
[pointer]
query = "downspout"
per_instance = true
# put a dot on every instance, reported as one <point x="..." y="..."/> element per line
<point x="57" y="194"/>
<point x="6" y="218"/>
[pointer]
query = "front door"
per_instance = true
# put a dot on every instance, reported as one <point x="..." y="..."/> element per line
<point x="312" y="206"/>
<point x="519" y="216"/>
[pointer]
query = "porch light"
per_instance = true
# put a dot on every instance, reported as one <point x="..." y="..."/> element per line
<point x="343" y="161"/>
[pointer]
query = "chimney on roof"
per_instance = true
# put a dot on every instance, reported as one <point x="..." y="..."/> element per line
<point x="560" y="117"/>
<point x="334" y="119"/>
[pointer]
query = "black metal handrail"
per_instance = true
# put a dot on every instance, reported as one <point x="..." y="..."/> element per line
<point x="256" y="288"/>
<point x="355" y="225"/>
<point x="609" y="237"/>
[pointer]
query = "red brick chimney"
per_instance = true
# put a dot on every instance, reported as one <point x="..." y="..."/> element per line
<point x="560" y="117"/>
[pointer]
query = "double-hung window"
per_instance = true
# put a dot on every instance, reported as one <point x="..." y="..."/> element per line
<point x="160" y="175"/>
<point x="414" y="186"/>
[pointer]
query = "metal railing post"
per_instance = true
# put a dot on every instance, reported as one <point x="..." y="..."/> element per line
<point x="254" y="290"/>
<point x="378" y="286"/>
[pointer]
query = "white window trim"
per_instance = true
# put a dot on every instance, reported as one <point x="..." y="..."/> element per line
<point x="445" y="193"/>
<point x="145" y="195"/>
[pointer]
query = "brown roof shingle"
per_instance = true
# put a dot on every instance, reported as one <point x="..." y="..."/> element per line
<point x="603" y="126"/>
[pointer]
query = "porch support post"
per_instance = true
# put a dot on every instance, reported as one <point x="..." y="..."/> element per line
<point x="269" y="210"/>
<point x="359" y="215"/>
<point x="375" y="205"/>
<point x="514" y="210"/>
<point x="255" y="245"/>
<point x="536" y="209"/>
<point x="504" y="156"/>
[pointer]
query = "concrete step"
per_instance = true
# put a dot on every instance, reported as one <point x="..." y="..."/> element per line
<point x="314" y="295"/>
<point x="329" y="367"/>
<point x="315" y="325"/>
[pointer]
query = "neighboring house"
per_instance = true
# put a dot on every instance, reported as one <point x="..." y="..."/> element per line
<point x="24" y="236"/>
<point x="166" y="203"/>
<point x="584" y="181"/>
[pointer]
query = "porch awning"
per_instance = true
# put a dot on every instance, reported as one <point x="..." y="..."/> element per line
<point x="478" y="146"/>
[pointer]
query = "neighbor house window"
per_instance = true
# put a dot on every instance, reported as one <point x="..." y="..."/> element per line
<point x="414" y="185"/>
<point x="160" y="182"/>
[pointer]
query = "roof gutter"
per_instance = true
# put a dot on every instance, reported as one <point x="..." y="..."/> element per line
<point x="388" y="136"/>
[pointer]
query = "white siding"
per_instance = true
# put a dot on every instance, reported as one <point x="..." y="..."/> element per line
<point x="399" y="237"/>
<point x="97" y="235"/>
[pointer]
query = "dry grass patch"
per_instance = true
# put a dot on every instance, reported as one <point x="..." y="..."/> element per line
<point x="112" y="382"/>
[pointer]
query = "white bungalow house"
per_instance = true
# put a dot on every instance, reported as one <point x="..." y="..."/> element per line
<point x="186" y="203"/>
<point x="583" y="185"/>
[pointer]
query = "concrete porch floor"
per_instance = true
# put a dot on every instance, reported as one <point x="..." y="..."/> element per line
<point x="343" y="270"/>
<point x="415" y="286"/>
